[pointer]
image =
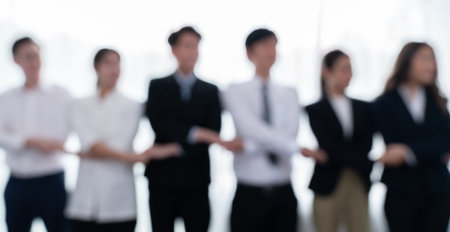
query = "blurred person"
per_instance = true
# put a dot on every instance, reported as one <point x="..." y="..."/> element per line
<point x="413" y="118"/>
<point x="186" y="110"/>
<point x="34" y="124"/>
<point x="344" y="130"/>
<point x="106" y="123"/>
<point x="266" y="117"/>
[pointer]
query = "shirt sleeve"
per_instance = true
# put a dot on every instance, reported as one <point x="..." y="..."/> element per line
<point x="256" y="133"/>
<point x="81" y="126"/>
<point x="9" y="139"/>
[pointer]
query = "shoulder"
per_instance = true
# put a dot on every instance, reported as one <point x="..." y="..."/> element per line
<point x="161" y="81"/>
<point x="361" y="104"/>
<point x="286" y="89"/>
<point x="385" y="98"/>
<point x="124" y="102"/>
<point x="82" y="102"/>
<point x="10" y="93"/>
<point x="315" y="107"/>
<point x="207" y="86"/>
<point x="129" y="102"/>
<point x="239" y="87"/>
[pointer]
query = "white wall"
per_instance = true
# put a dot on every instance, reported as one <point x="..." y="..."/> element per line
<point x="373" y="32"/>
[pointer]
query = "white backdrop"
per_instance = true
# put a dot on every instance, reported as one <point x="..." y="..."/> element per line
<point x="70" y="32"/>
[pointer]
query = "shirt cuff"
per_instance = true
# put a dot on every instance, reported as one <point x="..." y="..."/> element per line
<point x="192" y="135"/>
<point x="410" y="158"/>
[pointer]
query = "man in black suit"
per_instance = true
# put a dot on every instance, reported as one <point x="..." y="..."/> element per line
<point x="186" y="110"/>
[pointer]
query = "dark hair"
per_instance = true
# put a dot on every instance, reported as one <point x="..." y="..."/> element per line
<point x="257" y="36"/>
<point x="329" y="60"/>
<point x="22" y="41"/>
<point x="175" y="36"/>
<point x="401" y="73"/>
<point x="101" y="55"/>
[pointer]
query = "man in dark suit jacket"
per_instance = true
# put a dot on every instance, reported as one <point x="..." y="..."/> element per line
<point x="185" y="110"/>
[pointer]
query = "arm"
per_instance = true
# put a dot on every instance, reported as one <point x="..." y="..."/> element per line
<point x="176" y="131"/>
<point x="13" y="140"/>
<point x="209" y="131"/>
<point x="430" y="150"/>
<point x="170" y="129"/>
<point x="255" y="132"/>
<point x="102" y="151"/>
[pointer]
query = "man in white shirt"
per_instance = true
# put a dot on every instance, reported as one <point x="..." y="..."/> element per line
<point x="34" y="124"/>
<point x="266" y="117"/>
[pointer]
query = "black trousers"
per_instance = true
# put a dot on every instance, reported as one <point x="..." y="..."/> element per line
<point x="192" y="206"/>
<point x="41" y="197"/>
<point x="264" y="209"/>
<point x="417" y="212"/>
<point x="88" y="226"/>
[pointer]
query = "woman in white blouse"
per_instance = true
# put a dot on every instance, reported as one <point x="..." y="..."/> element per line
<point x="106" y="123"/>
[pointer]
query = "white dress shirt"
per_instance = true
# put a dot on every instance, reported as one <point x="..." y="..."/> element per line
<point x="245" y="103"/>
<point x="416" y="105"/>
<point x="342" y="107"/>
<point x="40" y="112"/>
<point x="105" y="190"/>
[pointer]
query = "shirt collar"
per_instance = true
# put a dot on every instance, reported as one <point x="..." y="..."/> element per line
<point x="183" y="79"/>
<point x="404" y="93"/>
<point x="261" y="81"/>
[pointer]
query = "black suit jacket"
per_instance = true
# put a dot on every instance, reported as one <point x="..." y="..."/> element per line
<point x="343" y="153"/>
<point x="429" y="141"/>
<point x="171" y="120"/>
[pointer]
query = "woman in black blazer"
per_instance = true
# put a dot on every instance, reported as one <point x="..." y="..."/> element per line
<point x="413" y="118"/>
<point x="344" y="129"/>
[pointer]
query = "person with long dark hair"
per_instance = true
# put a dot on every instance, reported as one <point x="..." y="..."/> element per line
<point x="344" y="129"/>
<point x="104" y="198"/>
<point x="413" y="118"/>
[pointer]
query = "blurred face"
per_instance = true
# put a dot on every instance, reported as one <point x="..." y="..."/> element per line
<point x="338" y="77"/>
<point x="423" y="67"/>
<point x="108" y="70"/>
<point x="263" y="53"/>
<point x="186" y="51"/>
<point x="29" y="59"/>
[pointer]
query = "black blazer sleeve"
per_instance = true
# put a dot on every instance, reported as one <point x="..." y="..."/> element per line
<point x="173" y="130"/>
<point x="433" y="149"/>
<point x="427" y="149"/>
<point x="212" y="122"/>
<point x="178" y="131"/>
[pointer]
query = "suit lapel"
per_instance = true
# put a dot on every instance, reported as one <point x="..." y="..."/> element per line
<point x="404" y="109"/>
<point x="175" y="90"/>
<point x="337" y="127"/>
<point x="188" y="105"/>
<point x="357" y="118"/>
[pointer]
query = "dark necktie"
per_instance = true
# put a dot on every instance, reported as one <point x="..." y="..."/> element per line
<point x="266" y="117"/>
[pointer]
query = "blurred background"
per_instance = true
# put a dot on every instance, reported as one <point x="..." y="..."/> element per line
<point x="372" y="32"/>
